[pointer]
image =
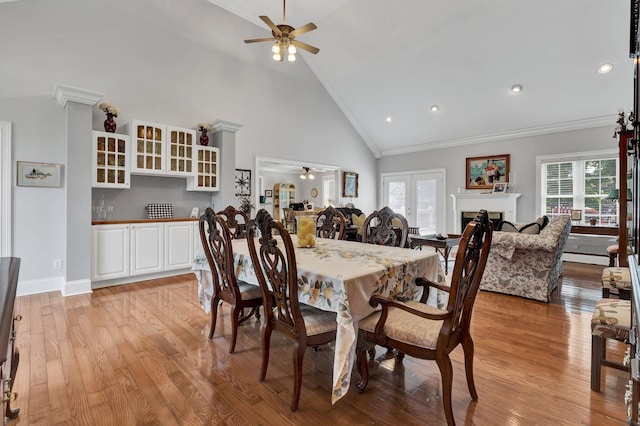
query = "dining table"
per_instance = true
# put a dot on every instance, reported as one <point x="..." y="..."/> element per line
<point x="341" y="276"/>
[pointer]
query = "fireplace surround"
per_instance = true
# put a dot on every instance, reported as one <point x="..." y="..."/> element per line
<point x="505" y="203"/>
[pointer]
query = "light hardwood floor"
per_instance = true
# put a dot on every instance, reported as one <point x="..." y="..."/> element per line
<point x="139" y="354"/>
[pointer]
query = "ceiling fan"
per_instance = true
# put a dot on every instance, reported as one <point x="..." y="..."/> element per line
<point x="284" y="37"/>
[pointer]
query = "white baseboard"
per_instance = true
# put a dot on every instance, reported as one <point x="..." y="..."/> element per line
<point x="136" y="278"/>
<point x="72" y="288"/>
<point x="45" y="285"/>
<point x="585" y="258"/>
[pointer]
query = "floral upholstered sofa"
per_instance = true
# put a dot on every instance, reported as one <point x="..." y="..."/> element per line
<point x="527" y="265"/>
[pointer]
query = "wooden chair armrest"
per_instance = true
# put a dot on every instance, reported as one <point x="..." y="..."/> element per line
<point x="386" y="303"/>
<point x="426" y="283"/>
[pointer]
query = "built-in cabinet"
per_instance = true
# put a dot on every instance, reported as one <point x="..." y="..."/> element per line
<point x="283" y="195"/>
<point x="111" y="160"/>
<point x="131" y="249"/>
<point x="154" y="149"/>
<point x="205" y="176"/>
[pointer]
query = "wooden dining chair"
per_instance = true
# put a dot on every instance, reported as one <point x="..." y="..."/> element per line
<point x="289" y="219"/>
<point x="236" y="220"/>
<point x="274" y="262"/>
<point x="216" y="241"/>
<point x="330" y="223"/>
<point x="384" y="227"/>
<point x="423" y="331"/>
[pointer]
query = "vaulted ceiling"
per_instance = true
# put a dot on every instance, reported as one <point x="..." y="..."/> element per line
<point x="382" y="59"/>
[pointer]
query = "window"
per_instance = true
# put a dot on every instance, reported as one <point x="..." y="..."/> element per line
<point x="580" y="184"/>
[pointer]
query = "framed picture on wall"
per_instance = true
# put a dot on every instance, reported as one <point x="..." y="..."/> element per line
<point x="39" y="174"/>
<point x="268" y="193"/>
<point x="484" y="172"/>
<point x="349" y="184"/>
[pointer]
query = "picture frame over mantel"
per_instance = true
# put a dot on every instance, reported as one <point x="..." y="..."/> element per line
<point x="484" y="172"/>
<point x="349" y="184"/>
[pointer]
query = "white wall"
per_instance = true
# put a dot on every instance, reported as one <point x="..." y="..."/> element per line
<point x="523" y="152"/>
<point x="129" y="51"/>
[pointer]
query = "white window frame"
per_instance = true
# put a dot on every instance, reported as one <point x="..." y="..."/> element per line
<point x="570" y="157"/>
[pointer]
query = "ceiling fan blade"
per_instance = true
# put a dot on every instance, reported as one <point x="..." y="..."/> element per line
<point x="305" y="46"/>
<point x="303" y="29"/>
<point x="271" y="25"/>
<point x="257" y="40"/>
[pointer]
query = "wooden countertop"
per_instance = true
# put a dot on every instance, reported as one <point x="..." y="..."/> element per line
<point x="594" y="230"/>
<point x="120" y="222"/>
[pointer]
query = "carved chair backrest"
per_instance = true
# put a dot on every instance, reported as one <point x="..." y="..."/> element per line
<point x="330" y="223"/>
<point x="216" y="241"/>
<point x="236" y="221"/>
<point x="471" y="259"/>
<point x="274" y="262"/>
<point x="378" y="229"/>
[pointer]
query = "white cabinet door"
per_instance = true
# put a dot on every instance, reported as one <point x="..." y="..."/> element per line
<point x="147" y="248"/>
<point x="111" y="160"/>
<point x="110" y="252"/>
<point x="178" y="252"/>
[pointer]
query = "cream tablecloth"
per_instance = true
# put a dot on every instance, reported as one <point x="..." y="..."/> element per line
<point x="341" y="276"/>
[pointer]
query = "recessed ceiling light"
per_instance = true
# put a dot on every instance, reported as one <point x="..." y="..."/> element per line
<point x="605" y="68"/>
<point x="516" y="88"/>
<point x="388" y="119"/>
<point x="435" y="108"/>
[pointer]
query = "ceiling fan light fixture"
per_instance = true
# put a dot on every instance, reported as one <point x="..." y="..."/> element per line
<point x="306" y="174"/>
<point x="275" y="48"/>
<point x="292" y="49"/>
<point x="276" y="57"/>
<point x="291" y="57"/>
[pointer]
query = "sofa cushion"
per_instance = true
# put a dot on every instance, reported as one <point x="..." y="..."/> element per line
<point x="543" y="221"/>
<point x="505" y="226"/>
<point x="531" y="229"/>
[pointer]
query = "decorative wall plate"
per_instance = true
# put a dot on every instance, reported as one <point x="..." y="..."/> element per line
<point x="314" y="192"/>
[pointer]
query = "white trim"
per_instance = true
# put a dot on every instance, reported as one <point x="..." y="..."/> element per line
<point x="44" y="285"/>
<point x="5" y="188"/>
<point x="219" y="125"/>
<point x="72" y="288"/>
<point x="64" y="94"/>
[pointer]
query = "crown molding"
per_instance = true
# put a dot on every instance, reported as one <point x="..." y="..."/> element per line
<point x="64" y="94"/>
<point x="228" y="126"/>
<point x="568" y="126"/>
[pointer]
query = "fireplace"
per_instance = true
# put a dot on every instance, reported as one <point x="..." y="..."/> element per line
<point x="466" y="217"/>
<point x="504" y="203"/>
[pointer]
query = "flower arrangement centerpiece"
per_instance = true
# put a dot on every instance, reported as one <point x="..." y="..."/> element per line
<point x="204" y="127"/>
<point x="306" y="232"/>
<point x="111" y="111"/>
<point x="245" y="204"/>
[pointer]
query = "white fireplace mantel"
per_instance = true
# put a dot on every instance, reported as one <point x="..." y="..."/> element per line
<point x="507" y="203"/>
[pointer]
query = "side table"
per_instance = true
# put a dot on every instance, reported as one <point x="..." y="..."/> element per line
<point x="443" y="247"/>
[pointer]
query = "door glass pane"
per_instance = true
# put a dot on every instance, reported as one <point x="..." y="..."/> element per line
<point x="426" y="196"/>
<point x="398" y="197"/>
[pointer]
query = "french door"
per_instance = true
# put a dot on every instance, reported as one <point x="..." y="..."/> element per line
<point x="418" y="196"/>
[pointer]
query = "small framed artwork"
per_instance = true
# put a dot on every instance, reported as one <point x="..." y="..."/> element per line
<point x="576" y="215"/>
<point x="39" y="174"/>
<point x="499" y="187"/>
<point x="484" y="172"/>
<point x="268" y="193"/>
<point x="243" y="182"/>
<point x="349" y="184"/>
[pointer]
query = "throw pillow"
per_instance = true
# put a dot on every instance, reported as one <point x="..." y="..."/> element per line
<point x="505" y="226"/>
<point x="531" y="229"/>
<point x="358" y="221"/>
<point x="542" y="221"/>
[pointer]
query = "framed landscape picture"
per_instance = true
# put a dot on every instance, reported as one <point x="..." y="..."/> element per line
<point x="349" y="184"/>
<point x="38" y="174"/>
<point x="485" y="172"/>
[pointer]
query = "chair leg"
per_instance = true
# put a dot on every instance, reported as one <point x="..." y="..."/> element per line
<point x="467" y="347"/>
<point x="363" y="369"/>
<point x="235" y="321"/>
<point x="446" y="371"/>
<point x="597" y="355"/>
<point x="215" y="302"/>
<point x="298" y="358"/>
<point x="266" y="341"/>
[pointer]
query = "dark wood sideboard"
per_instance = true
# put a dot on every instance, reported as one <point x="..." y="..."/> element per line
<point x="9" y="354"/>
